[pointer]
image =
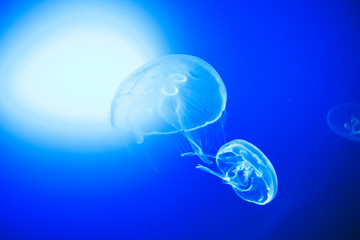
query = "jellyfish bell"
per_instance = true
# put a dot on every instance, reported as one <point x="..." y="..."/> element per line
<point x="344" y="120"/>
<point x="171" y="94"/>
<point x="244" y="167"/>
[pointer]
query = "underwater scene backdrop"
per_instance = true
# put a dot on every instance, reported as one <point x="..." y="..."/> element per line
<point x="80" y="159"/>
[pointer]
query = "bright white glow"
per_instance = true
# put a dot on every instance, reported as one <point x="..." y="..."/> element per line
<point x="61" y="65"/>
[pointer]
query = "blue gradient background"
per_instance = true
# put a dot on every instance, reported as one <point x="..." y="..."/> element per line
<point x="285" y="64"/>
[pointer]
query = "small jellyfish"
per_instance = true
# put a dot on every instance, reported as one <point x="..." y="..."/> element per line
<point x="344" y="120"/>
<point x="247" y="170"/>
<point x="171" y="94"/>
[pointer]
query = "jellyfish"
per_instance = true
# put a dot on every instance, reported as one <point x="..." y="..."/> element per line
<point x="247" y="170"/>
<point x="344" y="120"/>
<point x="171" y="94"/>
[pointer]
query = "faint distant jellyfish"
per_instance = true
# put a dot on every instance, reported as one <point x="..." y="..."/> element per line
<point x="247" y="170"/>
<point x="344" y="120"/>
<point x="170" y="94"/>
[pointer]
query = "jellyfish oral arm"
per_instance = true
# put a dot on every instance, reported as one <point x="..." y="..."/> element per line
<point x="233" y="181"/>
<point x="192" y="154"/>
<point x="199" y="166"/>
<point x="188" y="154"/>
<point x="197" y="150"/>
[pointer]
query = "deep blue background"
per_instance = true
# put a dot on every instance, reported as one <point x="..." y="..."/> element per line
<point x="285" y="64"/>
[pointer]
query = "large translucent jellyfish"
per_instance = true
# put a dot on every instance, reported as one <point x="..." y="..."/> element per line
<point x="247" y="170"/>
<point x="344" y="120"/>
<point x="171" y="94"/>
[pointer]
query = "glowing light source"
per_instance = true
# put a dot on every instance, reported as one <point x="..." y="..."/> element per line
<point x="60" y="65"/>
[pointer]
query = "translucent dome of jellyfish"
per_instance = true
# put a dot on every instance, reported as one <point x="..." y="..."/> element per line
<point x="247" y="170"/>
<point x="344" y="120"/>
<point x="170" y="94"/>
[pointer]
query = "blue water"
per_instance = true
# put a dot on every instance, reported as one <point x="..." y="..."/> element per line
<point x="285" y="64"/>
